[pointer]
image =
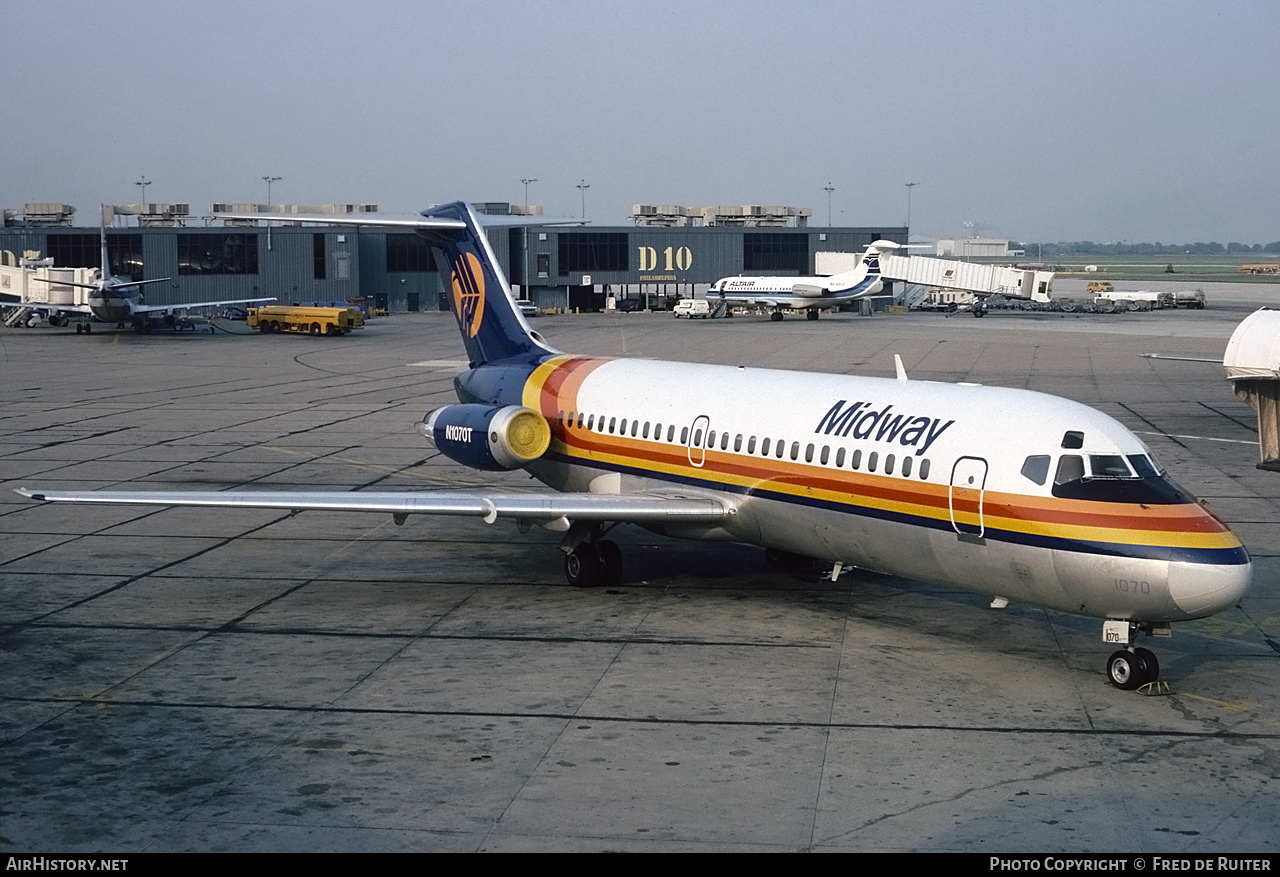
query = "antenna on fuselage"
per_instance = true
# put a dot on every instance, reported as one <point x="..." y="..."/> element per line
<point x="899" y="368"/>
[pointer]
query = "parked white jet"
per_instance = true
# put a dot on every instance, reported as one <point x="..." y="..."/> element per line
<point x="810" y="294"/>
<point x="1009" y="493"/>
<point x="116" y="300"/>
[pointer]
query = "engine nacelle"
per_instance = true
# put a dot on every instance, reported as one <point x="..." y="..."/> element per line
<point x="488" y="437"/>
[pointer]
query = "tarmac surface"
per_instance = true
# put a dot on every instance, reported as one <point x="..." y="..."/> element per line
<point x="202" y="680"/>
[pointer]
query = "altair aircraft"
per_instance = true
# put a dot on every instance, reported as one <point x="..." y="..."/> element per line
<point x="117" y="300"/>
<point x="809" y="294"/>
<point x="1009" y="493"/>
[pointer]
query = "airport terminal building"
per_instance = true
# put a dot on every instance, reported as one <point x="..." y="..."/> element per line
<point x="557" y="266"/>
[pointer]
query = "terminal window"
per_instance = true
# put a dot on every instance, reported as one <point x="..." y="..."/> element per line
<point x="592" y="251"/>
<point x="408" y="253"/>
<point x="773" y="251"/>
<point x="218" y="253"/>
<point x="84" y="251"/>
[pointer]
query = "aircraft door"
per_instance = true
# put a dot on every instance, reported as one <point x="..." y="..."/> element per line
<point x="698" y="440"/>
<point x="968" y="484"/>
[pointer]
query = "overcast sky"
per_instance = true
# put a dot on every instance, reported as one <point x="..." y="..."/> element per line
<point x="1136" y="121"/>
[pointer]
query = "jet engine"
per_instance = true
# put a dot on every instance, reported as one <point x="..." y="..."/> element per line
<point x="488" y="437"/>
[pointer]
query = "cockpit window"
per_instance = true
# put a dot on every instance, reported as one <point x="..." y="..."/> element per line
<point x="1108" y="466"/>
<point x="1073" y="440"/>
<point x="1036" y="468"/>
<point x="1142" y="466"/>
<point x="1070" y="468"/>
<point x="1111" y="480"/>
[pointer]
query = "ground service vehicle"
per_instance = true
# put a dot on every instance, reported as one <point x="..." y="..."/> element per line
<point x="310" y="321"/>
<point x="692" y="307"/>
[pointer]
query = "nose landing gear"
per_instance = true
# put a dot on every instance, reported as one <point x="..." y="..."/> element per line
<point x="1130" y="669"/>
<point x="1134" y="669"/>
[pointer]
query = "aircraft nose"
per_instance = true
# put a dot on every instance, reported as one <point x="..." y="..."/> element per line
<point x="1201" y="589"/>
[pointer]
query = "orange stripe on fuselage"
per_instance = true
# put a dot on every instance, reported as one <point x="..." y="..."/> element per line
<point x="553" y="386"/>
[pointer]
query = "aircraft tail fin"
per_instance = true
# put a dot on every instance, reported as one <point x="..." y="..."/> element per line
<point x="105" y="262"/>
<point x="492" y="326"/>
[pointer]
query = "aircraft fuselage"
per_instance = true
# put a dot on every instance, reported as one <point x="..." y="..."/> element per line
<point x="1003" y="492"/>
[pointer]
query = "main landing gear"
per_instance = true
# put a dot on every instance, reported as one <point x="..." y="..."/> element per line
<point x="591" y="561"/>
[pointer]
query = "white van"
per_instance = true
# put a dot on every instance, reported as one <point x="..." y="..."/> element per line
<point x="692" y="307"/>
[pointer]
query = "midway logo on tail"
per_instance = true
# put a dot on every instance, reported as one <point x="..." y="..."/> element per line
<point x="468" y="292"/>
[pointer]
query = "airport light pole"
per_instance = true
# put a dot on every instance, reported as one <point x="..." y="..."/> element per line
<point x="583" y="185"/>
<point x="828" y="188"/>
<point x="269" y="180"/>
<point x="526" y="192"/>
<point x="143" y="182"/>
<point x="910" y="186"/>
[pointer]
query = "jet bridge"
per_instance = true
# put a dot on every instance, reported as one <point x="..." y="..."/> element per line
<point x="981" y="280"/>
<point x="36" y="284"/>
<point x="1252" y="362"/>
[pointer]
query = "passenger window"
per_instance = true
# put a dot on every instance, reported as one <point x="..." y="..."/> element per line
<point x="711" y="439"/>
<point x="826" y="455"/>
<point x="622" y="426"/>
<point x="671" y="432"/>
<point x="751" y="445"/>
<point x="808" y="453"/>
<point x="781" y="449"/>
<point x="737" y="443"/>
<point x="840" y="457"/>
<point x="591" y="422"/>
<point x="906" y="467"/>
<point x="1070" y="468"/>
<point x="888" y="464"/>
<point x="684" y="435"/>
<point x="795" y="450"/>
<point x="872" y="458"/>
<point x="635" y="425"/>
<point x="646" y="429"/>
<point x="924" y="470"/>
<point x="612" y="421"/>
<point x="657" y="432"/>
<point x="764" y="447"/>
<point x="1036" y="468"/>
<point x="856" y="462"/>
<point x="697" y="438"/>
<point x="724" y="441"/>
<point x="1073" y="440"/>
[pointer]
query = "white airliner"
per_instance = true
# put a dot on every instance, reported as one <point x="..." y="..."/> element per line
<point x="117" y="300"/>
<point x="1008" y="493"/>
<point x="809" y="294"/>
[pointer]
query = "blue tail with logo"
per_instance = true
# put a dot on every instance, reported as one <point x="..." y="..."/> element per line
<point x="493" y="329"/>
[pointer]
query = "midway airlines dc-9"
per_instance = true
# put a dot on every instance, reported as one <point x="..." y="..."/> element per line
<point x="1013" y="494"/>
<point x="808" y="294"/>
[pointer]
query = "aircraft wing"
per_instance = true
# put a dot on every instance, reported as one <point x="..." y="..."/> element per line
<point x="10" y="300"/>
<point x="480" y="504"/>
<point x="151" y="309"/>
